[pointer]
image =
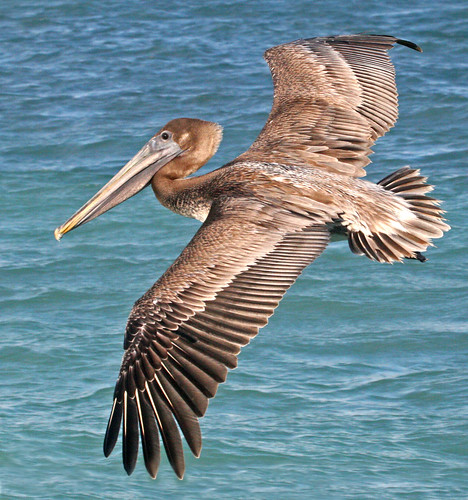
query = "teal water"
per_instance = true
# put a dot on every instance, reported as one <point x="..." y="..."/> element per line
<point x="357" y="388"/>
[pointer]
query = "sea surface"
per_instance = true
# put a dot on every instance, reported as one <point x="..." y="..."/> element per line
<point x="358" y="386"/>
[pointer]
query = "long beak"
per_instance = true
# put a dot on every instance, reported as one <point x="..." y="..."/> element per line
<point x="135" y="176"/>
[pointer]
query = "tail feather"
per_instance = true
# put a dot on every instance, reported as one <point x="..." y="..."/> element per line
<point x="406" y="179"/>
<point x="410" y="236"/>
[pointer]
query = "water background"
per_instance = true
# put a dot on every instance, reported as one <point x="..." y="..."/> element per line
<point x="358" y="386"/>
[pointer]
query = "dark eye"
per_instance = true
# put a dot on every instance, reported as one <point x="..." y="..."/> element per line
<point x="164" y="136"/>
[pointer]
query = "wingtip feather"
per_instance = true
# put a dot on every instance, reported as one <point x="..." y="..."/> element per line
<point x="130" y="434"/>
<point x="409" y="44"/>
<point x="149" y="435"/>
<point x="113" y="428"/>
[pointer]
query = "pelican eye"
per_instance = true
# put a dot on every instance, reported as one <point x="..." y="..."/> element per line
<point x="165" y="136"/>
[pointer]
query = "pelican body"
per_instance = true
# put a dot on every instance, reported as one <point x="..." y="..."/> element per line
<point x="266" y="216"/>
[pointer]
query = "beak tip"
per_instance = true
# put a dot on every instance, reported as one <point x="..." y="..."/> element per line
<point x="57" y="234"/>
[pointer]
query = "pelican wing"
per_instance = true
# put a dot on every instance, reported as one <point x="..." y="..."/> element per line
<point x="333" y="97"/>
<point x="186" y="332"/>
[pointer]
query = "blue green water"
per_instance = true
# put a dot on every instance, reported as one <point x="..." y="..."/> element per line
<point x="358" y="386"/>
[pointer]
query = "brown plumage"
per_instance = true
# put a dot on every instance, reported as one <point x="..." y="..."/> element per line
<point x="266" y="216"/>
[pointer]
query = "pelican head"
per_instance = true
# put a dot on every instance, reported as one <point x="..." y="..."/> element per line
<point x="177" y="150"/>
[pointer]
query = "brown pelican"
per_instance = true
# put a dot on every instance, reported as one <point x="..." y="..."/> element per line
<point x="266" y="216"/>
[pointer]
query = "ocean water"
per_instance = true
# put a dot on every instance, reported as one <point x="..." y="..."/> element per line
<point x="358" y="386"/>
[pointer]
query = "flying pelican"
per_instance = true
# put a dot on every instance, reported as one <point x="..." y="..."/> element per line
<point x="266" y="216"/>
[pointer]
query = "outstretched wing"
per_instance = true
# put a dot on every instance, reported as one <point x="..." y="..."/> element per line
<point x="333" y="97"/>
<point x="187" y="330"/>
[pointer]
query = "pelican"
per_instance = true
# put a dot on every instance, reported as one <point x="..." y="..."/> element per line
<point x="266" y="216"/>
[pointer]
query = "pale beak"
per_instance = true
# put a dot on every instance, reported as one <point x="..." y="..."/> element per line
<point x="135" y="176"/>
